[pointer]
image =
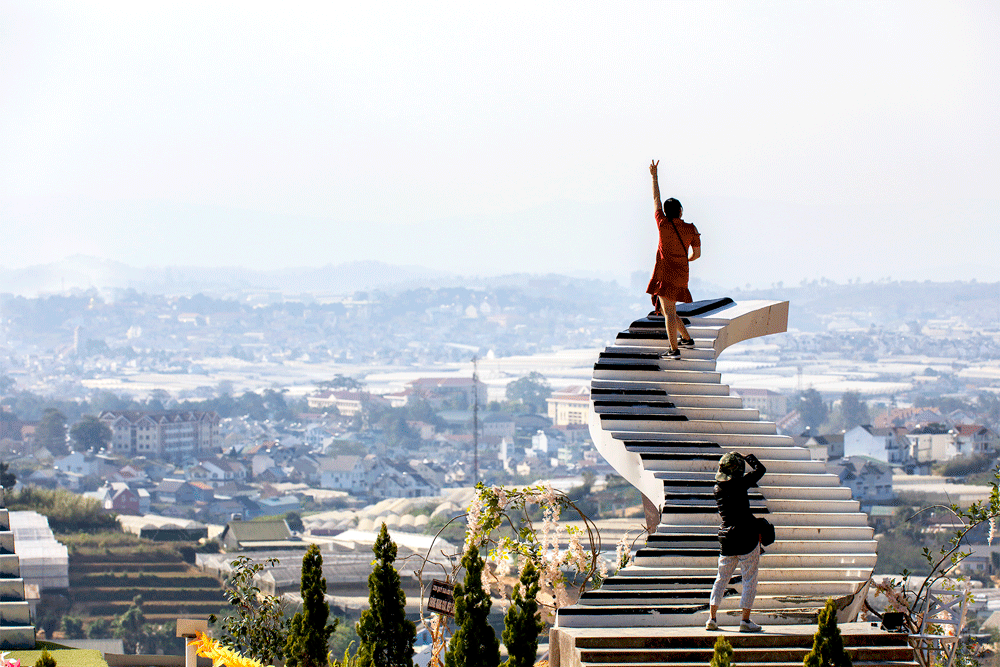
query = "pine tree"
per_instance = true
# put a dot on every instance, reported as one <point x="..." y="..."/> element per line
<point x="386" y="635"/>
<point x="522" y="624"/>
<point x="828" y="646"/>
<point x="474" y="643"/>
<point x="309" y="634"/>
<point x="722" y="655"/>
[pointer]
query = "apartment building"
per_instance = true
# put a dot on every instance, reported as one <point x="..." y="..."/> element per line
<point x="170" y="435"/>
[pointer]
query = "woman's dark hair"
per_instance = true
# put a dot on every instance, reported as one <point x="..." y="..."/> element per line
<point x="672" y="208"/>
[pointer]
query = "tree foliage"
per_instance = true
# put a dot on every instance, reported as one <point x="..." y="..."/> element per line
<point x="100" y="628"/>
<point x="386" y="634"/>
<point x="294" y="521"/>
<point x="90" y="433"/>
<point x="72" y="627"/>
<point x="309" y="633"/>
<point x="474" y="643"/>
<point x="828" y="646"/>
<point x="522" y="623"/>
<point x="812" y="408"/>
<point x="256" y="626"/>
<point x="853" y="411"/>
<point x="130" y="627"/>
<point x="531" y="391"/>
<point x="51" y="432"/>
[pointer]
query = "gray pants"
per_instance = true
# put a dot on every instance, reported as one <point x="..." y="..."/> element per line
<point x="748" y="569"/>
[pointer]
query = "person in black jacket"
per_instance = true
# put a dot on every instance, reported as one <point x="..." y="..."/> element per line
<point x="739" y="534"/>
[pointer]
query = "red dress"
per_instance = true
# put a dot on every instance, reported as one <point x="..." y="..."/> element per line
<point x="670" y="275"/>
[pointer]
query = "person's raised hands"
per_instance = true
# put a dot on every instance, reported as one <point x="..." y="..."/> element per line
<point x="652" y="167"/>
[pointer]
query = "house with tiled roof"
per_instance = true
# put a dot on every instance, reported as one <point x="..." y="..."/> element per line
<point x="458" y="392"/>
<point x="258" y="535"/>
<point x="570" y="405"/>
<point x="932" y="443"/>
<point x="974" y="439"/>
<point x="399" y="480"/>
<point x="344" y="473"/>
<point x="870" y="480"/>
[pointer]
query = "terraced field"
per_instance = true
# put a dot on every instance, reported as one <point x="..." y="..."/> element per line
<point x="104" y="578"/>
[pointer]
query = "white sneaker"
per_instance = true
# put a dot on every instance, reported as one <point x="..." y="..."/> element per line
<point x="710" y="624"/>
<point x="749" y="626"/>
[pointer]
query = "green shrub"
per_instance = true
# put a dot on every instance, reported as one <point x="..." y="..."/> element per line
<point x="965" y="465"/>
<point x="67" y="512"/>
<point x="722" y="654"/>
<point x="45" y="660"/>
<point x="522" y="623"/>
<point x="828" y="646"/>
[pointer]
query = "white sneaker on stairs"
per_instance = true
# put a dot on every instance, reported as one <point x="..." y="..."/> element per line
<point x="749" y="626"/>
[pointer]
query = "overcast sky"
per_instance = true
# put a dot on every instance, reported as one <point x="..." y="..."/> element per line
<point x="805" y="139"/>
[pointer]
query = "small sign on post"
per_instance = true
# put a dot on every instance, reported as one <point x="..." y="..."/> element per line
<point x="442" y="598"/>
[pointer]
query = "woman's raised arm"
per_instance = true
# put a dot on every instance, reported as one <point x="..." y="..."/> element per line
<point x="656" y="187"/>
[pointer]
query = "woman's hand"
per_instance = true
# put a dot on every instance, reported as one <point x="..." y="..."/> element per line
<point x="653" y="166"/>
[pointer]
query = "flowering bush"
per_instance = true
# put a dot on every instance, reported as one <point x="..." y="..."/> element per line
<point x="560" y="570"/>
<point x="944" y="563"/>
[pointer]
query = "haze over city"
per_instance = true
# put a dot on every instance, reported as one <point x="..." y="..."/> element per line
<point x="834" y="140"/>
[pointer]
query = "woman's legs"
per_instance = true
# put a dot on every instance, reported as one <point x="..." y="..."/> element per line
<point x="749" y="565"/>
<point x="672" y="321"/>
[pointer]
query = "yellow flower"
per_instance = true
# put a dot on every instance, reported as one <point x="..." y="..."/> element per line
<point x="220" y="655"/>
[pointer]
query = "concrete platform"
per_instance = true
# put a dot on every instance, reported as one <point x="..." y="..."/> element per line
<point x="775" y="645"/>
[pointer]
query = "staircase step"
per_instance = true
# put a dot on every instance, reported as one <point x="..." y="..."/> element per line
<point x="770" y="559"/>
<point x="640" y="410"/>
<point x="670" y="425"/>
<point x="749" y="655"/>
<point x="671" y="388"/>
<point x="673" y="371"/>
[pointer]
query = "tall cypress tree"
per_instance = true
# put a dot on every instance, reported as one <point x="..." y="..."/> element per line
<point x="828" y="646"/>
<point x="522" y="624"/>
<point x="309" y="634"/>
<point x="386" y="635"/>
<point x="474" y="643"/>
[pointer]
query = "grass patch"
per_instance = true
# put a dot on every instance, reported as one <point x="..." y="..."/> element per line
<point x="64" y="657"/>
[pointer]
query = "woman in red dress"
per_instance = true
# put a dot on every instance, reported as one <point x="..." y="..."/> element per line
<point x="680" y="243"/>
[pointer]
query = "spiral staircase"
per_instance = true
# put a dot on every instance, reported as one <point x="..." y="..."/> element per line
<point x="663" y="425"/>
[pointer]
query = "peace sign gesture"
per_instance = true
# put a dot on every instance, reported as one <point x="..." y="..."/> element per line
<point x="652" y="167"/>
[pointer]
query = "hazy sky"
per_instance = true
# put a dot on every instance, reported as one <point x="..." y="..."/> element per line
<point x="805" y="139"/>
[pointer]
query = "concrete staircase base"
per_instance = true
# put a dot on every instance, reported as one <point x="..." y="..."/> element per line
<point x="776" y="646"/>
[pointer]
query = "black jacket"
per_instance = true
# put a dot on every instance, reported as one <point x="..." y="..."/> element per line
<point x="739" y="532"/>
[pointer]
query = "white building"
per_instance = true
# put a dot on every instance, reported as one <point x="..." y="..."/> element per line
<point x="344" y="473"/>
<point x="569" y="406"/>
<point x="770" y="404"/>
<point x="870" y="481"/>
<point x="889" y="445"/>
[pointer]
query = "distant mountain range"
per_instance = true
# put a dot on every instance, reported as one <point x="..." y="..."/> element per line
<point x="81" y="272"/>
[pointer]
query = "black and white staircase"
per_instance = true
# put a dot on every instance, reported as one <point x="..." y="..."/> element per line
<point x="663" y="425"/>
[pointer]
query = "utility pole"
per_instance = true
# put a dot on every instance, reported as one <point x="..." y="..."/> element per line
<point x="475" y="420"/>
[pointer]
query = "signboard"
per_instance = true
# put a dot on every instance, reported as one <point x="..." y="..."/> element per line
<point x="442" y="598"/>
